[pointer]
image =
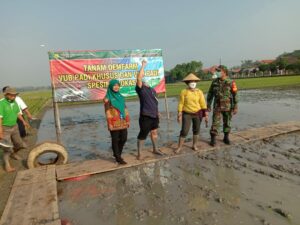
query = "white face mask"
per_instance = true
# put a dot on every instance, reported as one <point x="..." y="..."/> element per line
<point x="192" y="85"/>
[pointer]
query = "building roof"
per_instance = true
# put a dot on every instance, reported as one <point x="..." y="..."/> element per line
<point x="267" y="61"/>
<point x="211" y="69"/>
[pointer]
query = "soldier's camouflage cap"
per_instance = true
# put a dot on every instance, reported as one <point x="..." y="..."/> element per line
<point x="222" y="67"/>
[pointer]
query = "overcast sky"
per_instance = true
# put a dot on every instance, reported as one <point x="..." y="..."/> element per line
<point x="186" y="30"/>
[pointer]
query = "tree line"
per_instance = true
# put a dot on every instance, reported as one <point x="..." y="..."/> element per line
<point x="284" y="63"/>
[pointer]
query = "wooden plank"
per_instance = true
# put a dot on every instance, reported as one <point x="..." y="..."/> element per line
<point x="32" y="202"/>
<point x="286" y="127"/>
<point x="105" y="165"/>
<point x="258" y="133"/>
<point x="35" y="175"/>
<point x="56" y="222"/>
<point x="102" y="165"/>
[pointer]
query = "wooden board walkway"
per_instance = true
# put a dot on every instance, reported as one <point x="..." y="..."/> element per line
<point x="33" y="198"/>
<point x="103" y="165"/>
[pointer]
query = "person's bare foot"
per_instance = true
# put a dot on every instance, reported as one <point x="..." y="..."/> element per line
<point x="195" y="148"/>
<point x="9" y="169"/>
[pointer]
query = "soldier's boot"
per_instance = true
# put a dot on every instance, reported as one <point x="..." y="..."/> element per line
<point x="226" y="139"/>
<point x="212" y="139"/>
<point x="140" y="144"/>
<point x="180" y="144"/>
<point x="8" y="168"/>
<point x="156" y="150"/>
<point x="195" y="140"/>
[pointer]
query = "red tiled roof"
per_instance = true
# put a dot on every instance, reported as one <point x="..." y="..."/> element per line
<point x="267" y="61"/>
<point x="236" y="70"/>
<point x="210" y="69"/>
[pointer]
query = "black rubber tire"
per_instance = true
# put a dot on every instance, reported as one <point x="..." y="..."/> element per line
<point x="47" y="147"/>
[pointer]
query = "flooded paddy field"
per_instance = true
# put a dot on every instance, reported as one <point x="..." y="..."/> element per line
<point x="85" y="134"/>
<point x="257" y="183"/>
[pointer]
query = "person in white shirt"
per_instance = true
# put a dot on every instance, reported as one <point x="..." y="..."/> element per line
<point x="24" y="109"/>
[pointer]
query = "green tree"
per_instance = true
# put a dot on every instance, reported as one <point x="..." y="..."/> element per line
<point x="281" y="63"/>
<point x="181" y="70"/>
<point x="264" y="67"/>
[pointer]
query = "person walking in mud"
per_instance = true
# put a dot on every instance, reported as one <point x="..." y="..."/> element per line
<point x="149" y="115"/>
<point x="10" y="140"/>
<point x="24" y="109"/>
<point x="117" y="119"/>
<point x="223" y="91"/>
<point x="191" y="109"/>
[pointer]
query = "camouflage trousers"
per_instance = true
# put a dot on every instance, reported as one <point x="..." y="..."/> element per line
<point x="216" y="122"/>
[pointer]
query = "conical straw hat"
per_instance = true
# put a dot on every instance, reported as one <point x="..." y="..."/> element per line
<point x="191" y="77"/>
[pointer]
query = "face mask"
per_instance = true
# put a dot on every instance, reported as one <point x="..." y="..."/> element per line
<point x="217" y="74"/>
<point x="192" y="85"/>
<point x="144" y="80"/>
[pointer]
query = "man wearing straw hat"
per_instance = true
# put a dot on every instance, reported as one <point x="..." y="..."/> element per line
<point x="9" y="133"/>
<point x="224" y="93"/>
<point x="191" y="109"/>
<point x="24" y="109"/>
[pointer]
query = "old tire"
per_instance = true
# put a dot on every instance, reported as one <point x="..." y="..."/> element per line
<point x="47" y="147"/>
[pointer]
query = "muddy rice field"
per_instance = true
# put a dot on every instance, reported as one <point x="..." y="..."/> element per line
<point x="257" y="183"/>
<point x="254" y="184"/>
<point x="256" y="108"/>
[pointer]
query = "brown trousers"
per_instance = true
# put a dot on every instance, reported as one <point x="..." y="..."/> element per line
<point x="12" y="135"/>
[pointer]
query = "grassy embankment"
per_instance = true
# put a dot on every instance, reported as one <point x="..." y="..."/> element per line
<point x="242" y="84"/>
<point x="38" y="99"/>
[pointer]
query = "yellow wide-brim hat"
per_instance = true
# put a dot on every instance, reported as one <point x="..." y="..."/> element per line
<point x="191" y="77"/>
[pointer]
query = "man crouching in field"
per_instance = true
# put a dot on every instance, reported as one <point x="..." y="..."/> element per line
<point x="9" y="133"/>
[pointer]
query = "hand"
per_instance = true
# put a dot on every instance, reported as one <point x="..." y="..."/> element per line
<point x="206" y="119"/>
<point x="144" y="63"/>
<point x="234" y="111"/>
<point x="110" y="127"/>
<point x="26" y="124"/>
<point x="179" y="117"/>
<point x="208" y="109"/>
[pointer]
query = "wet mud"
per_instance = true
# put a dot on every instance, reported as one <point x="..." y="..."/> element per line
<point x="252" y="184"/>
<point x="257" y="183"/>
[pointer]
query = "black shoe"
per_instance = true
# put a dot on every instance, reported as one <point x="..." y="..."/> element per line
<point x="212" y="140"/>
<point x="226" y="139"/>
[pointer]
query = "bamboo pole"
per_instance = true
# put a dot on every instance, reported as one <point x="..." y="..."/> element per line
<point x="56" y="116"/>
<point x="166" y="105"/>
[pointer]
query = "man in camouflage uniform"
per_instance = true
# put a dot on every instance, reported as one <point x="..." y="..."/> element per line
<point x="223" y="91"/>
